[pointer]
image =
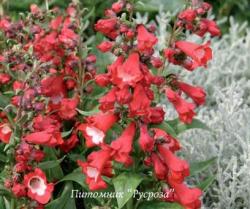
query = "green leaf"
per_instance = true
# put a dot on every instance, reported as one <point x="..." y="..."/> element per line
<point x="198" y="167"/>
<point x="50" y="164"/>
<point x="2" y="204"/>
<point x="66" y="133"/>
<point x="166" y="127"/>
<point x="5" y="192"/>
<point x="56" y="172"/>
<point x="103" y="59"/>
<point x="89" y="14"/>
<point x="4" y="101"/>
<point x="89" y="113"/>
<point x="159" y="205"/>
<point x="21" y="6"/>
<point x="155" y="5"/>
<point x="76" y="176"/>
<point x="181" y="127"/>
<point x="64" y="201"/>
<point x="125" y="184"/>
<point x="204" y="185"/>
<point x="3" y="158"/>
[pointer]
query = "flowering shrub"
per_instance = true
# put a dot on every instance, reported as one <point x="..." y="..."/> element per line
<point x="67" y="128"/>
<point x="227" y="108"/>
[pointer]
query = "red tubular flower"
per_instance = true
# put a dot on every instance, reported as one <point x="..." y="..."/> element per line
<point x="187" y="197"/>
<point x="98" y="164"/>
<point x="68" y="37"/>
<point x="96" y="127"/>
<point x="107" y="27"/>
<point x="15" y="100"/>
<point x="37" y="155"/>
<point x="196" y="93"/>
<point x="184" y="109"/>
<point x="44" y="138"/>
<point x="117" y="7"/>
<point x="92" y="134"/>
<point x="200" y="54"/>
<point x="5" y="132"/>
<point x="123" y="96"/>
<point x="129" y="72"/>
<point x="178" y="169"/>
<point x="4" y="78"/>
<point x="70" y="143"/>
<point x="46" y="123"/>
<point x="206" y="6"/>
<point x="170" y="142"/>
<point x="105" y="46"/>
<point x="113" y="70"/>
<point x="160" y="169"/>
<point x="53" y="86"/>
<point x="156" y="62"/>
<point x="67" y="110"/>
<point x="154" y="115"/>
<point x="146" y="40"/>
<point x="146" y="142"/>
<point x="34" y="9"/>
<point x="169" y="193"/>
<point x="4" y="25"/>
<point x="188" y="15"/>
<point x="55" y="23"/>
<point x="38" y="188"/>
<point x="102" y="80"/>
<point x="149" y="78"/>
<point x="91" y="58"/>
<point x="209" y="26"/>
<point x="17" y="85"/>
<point x="108" y="100"/>
<point x="122" y="146"/>
<point x="140" y="102"/>
<point x="103" y="121"/>
<point x="170" y="55"/>
<point x="19" y="190"/>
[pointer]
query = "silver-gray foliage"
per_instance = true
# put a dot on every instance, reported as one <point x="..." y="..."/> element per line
<point x="227" y="112"/>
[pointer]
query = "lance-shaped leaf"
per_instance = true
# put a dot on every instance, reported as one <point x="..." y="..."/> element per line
<point x="50" y="164"/>
<point x="197" y="167"/>
<point x="166" y="127"/>
<point x="204" y="185"/>
<point x="65" y="201"/>
<point x="125" y="184"/>
<point x="181" y="127"/>
<point x="76" y="176"/>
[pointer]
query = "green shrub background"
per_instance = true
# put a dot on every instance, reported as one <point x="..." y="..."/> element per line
<point x="239" y="9"/>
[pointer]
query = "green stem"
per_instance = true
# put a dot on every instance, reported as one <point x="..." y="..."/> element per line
<point x="1" y="9"/>
<point x="81" y="68"/>
<point x="129" y="204"/>
<point x="47" y="5"/>
<point x="12" y="204"/>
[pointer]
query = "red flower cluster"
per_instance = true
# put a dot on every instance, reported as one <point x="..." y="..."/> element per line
<point x="5" y="132"/>
<point x="130" y="81"/>
<point x="193" y="19"/>
<point x="48" y="92"/>
<point x="34" y="183"/>
<point x="188" y="54"/>
<point x="55" y="79"/>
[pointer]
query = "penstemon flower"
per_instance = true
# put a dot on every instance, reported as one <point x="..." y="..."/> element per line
<point x="38" y="188"/>
<point x="131" y="74"/>
<point x="64" y="117"/>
